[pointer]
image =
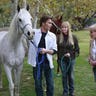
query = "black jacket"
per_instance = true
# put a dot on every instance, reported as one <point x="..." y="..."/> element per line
<point x="64" y="48"/>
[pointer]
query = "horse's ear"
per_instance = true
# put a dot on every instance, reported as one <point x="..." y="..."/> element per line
<point x="18" y="8"/>
<point x="27" y="7"/>
<point x="61" y="17"/>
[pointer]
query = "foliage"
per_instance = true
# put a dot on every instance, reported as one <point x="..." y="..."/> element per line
<point x="75" y="11"/>
<point x="4" y="12"/>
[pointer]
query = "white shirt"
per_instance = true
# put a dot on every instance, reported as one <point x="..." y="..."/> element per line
<point x="50" y="42"/>
<point x="93" y="50"/>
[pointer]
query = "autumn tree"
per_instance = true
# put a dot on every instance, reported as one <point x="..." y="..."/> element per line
<point x="77" y="12"/>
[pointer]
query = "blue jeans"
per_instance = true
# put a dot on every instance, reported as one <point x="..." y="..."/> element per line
<point x="48" y="74"/>
<point x="67" y="69"/>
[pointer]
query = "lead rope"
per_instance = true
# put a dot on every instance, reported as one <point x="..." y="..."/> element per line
<point x="65" y="67"/>
<point x="37" y="61"/>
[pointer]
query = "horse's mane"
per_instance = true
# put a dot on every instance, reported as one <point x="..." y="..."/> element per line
<point x="13" y="27"/>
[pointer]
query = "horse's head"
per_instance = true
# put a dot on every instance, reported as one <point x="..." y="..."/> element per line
<point x="24" y="20"/>
<point x="56" y="25"/>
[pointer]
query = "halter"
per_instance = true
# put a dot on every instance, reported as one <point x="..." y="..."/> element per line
<point x="24" y="29"/>
<point x="58" y="28"/>
<point x="25" y="26"/>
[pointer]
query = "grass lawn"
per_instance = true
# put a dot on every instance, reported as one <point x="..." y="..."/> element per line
<point x="84" y="81"/>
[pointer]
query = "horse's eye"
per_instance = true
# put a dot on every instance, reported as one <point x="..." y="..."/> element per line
<point x="20" y="20"/>
<point x="31" y="19"/>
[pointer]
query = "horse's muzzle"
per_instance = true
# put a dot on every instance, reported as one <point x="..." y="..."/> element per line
<point x="30" y="35"/>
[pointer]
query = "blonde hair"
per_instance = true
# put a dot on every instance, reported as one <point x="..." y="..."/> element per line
<point x="92" y="28"/>
<point x="70" y="37"/>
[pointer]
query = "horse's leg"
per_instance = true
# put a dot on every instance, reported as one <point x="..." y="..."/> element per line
<point x="58" y="69"/>
<point x="58" y="66"/>
<point x="0" y="76"/>
<point x="8" y="70"/>
<point x="17" y="74"/>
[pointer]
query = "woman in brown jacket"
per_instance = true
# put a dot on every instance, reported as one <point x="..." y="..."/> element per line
<point x="68" y="49"/>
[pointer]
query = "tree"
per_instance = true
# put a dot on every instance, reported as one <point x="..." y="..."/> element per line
<point x="77" y="12"/>
<point x="14" y="4"/>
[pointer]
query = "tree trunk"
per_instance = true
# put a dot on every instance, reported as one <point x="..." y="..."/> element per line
<point x="14" y="4"/>
<point x="36" y="11"/>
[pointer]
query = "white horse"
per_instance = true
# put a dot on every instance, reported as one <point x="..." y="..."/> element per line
<point x="12" y="51"/>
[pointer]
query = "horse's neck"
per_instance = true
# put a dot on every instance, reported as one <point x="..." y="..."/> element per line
<point x="14" y="34"/>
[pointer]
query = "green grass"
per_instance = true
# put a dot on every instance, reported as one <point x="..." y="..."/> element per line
<point x="84" y="81"/>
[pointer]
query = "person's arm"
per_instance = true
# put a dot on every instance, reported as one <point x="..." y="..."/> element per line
<point x="53" y="49"/>
<point x="89" y="58"/>
<point x="92" y="62"/>
<point x="44" y="51"/>
<point x="76" y="45"/>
